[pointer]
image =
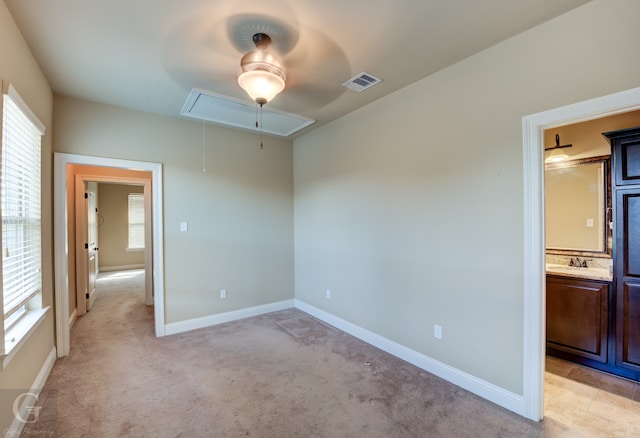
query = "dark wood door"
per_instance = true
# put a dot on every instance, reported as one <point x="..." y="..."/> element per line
<point x="628" y="278"/>
<point x="626" y="155"/>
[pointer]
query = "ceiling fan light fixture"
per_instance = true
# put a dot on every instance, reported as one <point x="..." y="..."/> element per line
<point x="261" y="85"/>
<point x="262" y="74"/>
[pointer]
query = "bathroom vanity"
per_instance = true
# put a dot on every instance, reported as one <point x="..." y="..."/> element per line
<point x="579" y="320"/>
<point x="589" y="322"/>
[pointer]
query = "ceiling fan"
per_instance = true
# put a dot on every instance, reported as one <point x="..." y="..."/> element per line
<point x="206" y="54"/>
<point x="214" y="61"/>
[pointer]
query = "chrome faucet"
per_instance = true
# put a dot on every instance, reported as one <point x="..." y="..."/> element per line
<point x="578" y="263"/>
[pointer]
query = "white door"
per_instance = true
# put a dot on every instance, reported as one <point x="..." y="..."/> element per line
<point x="92" y="248"/>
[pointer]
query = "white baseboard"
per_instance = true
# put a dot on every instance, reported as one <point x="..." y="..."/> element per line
<point x="501" y="397"/>
<point x="221" y="318"/>
<point x="120" y="268"/>
<point x="29" y="402"/>
<point x="73" y="317"/>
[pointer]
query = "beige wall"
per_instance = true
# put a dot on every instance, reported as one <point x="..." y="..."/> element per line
<point x="18" y="66"/>
<point x="411" y="209"/>
<point x="113" y="229"/>
<point x="239" y="212"/>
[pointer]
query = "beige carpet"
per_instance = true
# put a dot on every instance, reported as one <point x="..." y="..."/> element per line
<point x="284" y="374"/>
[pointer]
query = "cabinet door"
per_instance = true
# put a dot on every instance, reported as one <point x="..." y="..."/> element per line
<point x="626" y="152"/>
<point x="628" y="278"/>
<point x="577" y="317"/>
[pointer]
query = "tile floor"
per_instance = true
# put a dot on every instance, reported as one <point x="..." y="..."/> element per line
<point x="581" y="402"/>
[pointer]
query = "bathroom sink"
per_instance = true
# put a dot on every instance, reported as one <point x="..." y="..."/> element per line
<point x="575" y="271"/>
<point x="555" y="267"/>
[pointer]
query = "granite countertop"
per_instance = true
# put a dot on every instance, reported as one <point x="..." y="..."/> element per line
<point x="602" y="274"/>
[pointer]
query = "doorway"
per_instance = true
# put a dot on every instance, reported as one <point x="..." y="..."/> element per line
<point x="110" y="170"/>
<point x="94" y="176"/>
<point x="581" y="311"/>
<point x="534" y="230"/>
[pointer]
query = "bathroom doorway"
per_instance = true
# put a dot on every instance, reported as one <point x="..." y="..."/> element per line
<point x="534" y="230"/>
<point x="580" y="387"/>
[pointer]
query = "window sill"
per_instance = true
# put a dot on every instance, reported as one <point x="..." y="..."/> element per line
<point x="18" y="333"/>
<point x="133" y="249"/>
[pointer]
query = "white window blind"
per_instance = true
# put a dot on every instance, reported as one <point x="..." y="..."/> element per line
<point x="136" y="221"/>
<point x="20" y="203"/>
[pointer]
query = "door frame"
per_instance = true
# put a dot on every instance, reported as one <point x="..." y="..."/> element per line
<point x="61" y="238"/>
<point x="533" y="127"/>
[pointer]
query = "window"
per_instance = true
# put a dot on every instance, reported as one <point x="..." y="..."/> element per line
<point x="20" y="213"/>
<point x="136" y="221"/>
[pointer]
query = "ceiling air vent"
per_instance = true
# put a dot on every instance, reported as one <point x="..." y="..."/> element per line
<point x="361" y="82"/>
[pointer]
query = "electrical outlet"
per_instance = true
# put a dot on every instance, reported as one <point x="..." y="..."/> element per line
<point x="437" y="331"/>
<point x="328" y="294"/>
<point x="223" y="294"/>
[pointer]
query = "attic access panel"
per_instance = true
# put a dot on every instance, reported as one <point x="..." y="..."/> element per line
<point x="225" y="110"/>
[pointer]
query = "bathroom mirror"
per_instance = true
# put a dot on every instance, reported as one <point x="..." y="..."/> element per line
<point x="578" y="207"/>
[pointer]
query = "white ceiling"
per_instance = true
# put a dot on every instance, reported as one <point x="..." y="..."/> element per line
<point x="147" y="55"/>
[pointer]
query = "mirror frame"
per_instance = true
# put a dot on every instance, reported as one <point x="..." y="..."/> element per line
<point x="608" y="216"/>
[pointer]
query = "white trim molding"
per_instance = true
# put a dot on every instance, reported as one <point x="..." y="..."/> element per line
<point x="221" y="318"/>
<point x="533" y="127"/>
<point x="506" y="399"/>
<point x="20" y="332"/>
<point x="61" y="237"/>
<point x="121" y="267"/>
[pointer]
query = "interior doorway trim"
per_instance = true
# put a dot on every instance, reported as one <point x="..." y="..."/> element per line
<point x="61" y="238"/>
<point x="533" y="127"/>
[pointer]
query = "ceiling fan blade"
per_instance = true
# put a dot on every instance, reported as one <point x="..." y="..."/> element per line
<point x="198" y="54"/>
<point x="315" y="70"/>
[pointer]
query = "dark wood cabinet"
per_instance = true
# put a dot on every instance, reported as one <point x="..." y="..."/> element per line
<point x="578" y="317"/>
<point x="628" y="348"/>
<point x="626" y="160"/>
<point x="628" y="277"/>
